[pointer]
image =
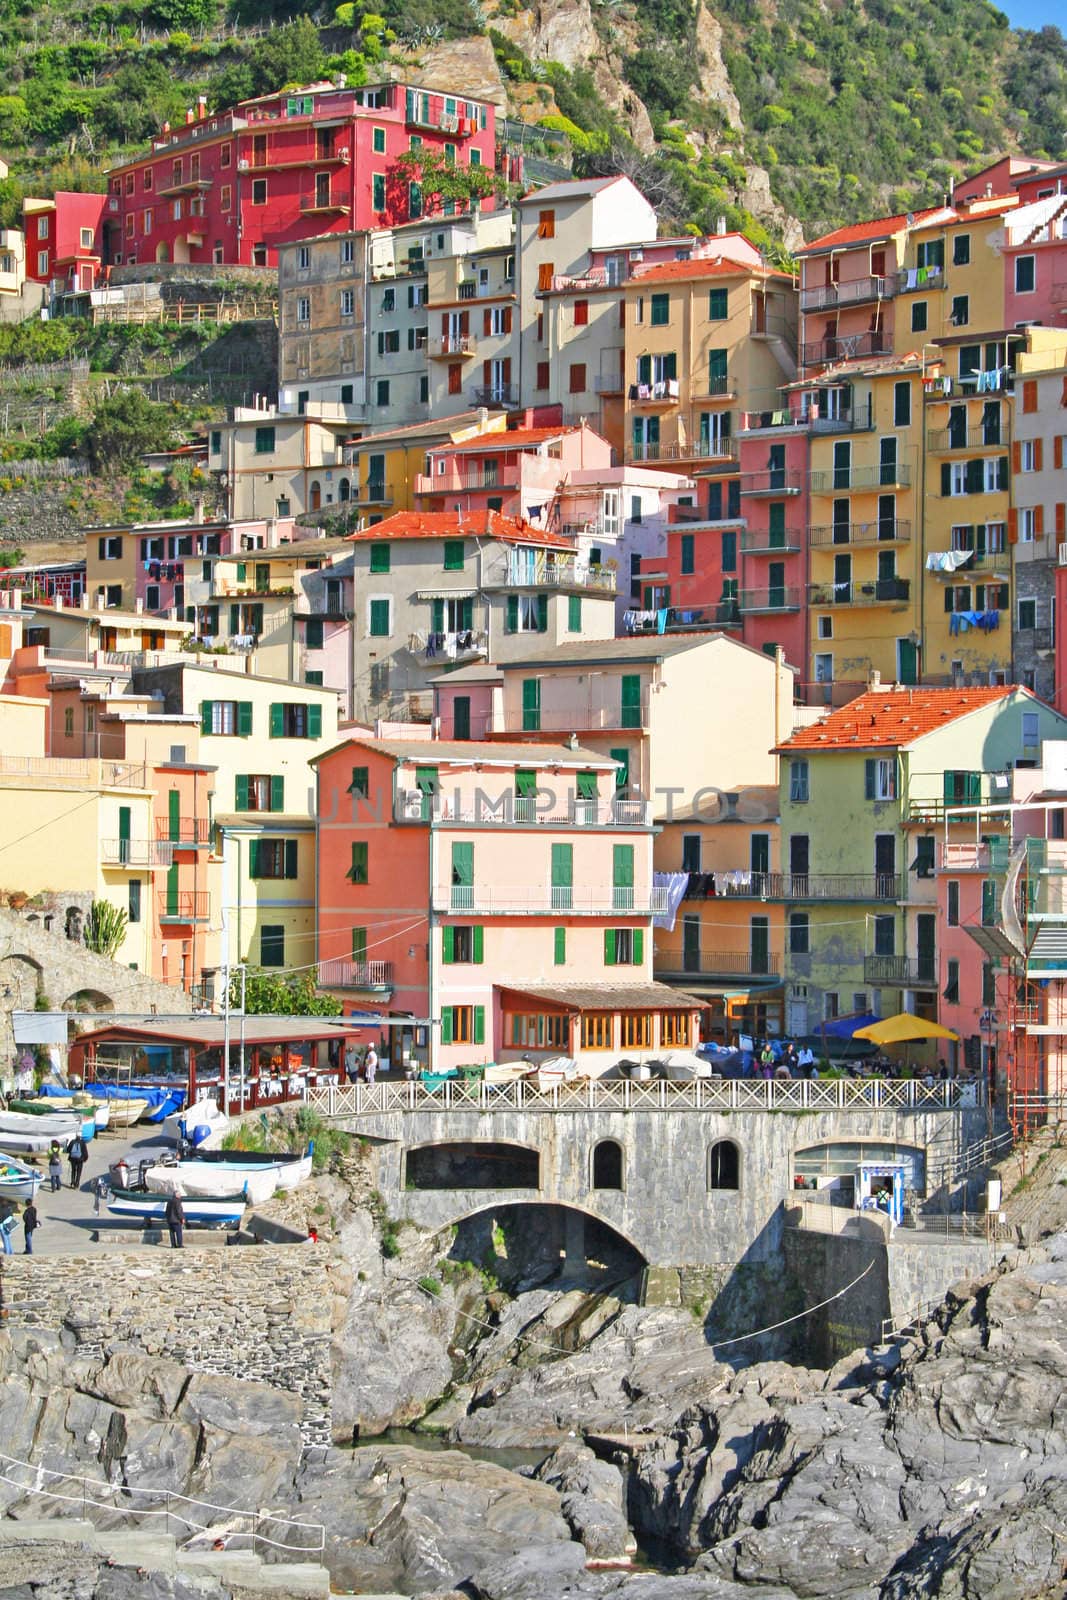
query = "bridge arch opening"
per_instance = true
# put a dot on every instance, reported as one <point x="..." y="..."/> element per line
<point x="472" y="1164"/>
<point x="724" y="1165"/>
<point x="529" y="1243"/>
<point x="608" y="1165"/>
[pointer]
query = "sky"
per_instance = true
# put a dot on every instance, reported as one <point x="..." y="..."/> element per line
<point x="1031" y="13"/>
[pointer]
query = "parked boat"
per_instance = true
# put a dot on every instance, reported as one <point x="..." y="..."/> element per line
<point x="84" y="1106"/>
<point x="140" y="1204"/>
<point x="16" y="1181"/>
<point x="197" y="1180"/>
<point x="205" y="1114"/>
<point x="29" y="1135"/>
<point x="289" y="1169"/>
<point x="166" y="1108"/>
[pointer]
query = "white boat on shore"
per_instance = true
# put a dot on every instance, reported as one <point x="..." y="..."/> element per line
<point x="204" y="1114"/>
<point x="29" y="1135"/>
<point x="290" y="1170"/>
<point x="195" y="1180"/>
<point x="17" y="1182"/>
<point x="140" y="1204"/>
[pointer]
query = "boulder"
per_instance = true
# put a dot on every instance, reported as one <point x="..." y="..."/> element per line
<point x="592" y="1498"/>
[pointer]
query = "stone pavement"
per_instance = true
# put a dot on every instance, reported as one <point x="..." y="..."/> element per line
<point x="68" y="1220"/>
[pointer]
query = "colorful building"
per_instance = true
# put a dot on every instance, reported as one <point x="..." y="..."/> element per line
<point x="64" y="239"/>
<point x="520" y="471"/>
<point x="507" y="893"/>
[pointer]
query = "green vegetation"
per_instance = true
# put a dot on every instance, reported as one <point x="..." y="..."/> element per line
<point x="287" y="996"/>
<point x="105" y="928"/>
<point x="431" y="1286"/>
<point x="288" y="1131"/>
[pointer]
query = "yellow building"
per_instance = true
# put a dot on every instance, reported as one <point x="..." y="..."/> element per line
<point x="383" y="466"/>
<point x="952" y="279"/>
<point x="704" y="338"/>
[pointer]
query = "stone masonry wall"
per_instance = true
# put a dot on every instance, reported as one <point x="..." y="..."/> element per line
<point x="261" y="1312"/>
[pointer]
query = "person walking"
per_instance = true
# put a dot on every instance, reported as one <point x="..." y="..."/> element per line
<point x="7" y="1225"/>
<point x="175" y="1217"/>
<point x="30" y="1223"/>
<point x="55" y="1166"/>
<point x="77" y="1155"/>
<point x="370" y="1064"/>
<point x="100" y="1190"/>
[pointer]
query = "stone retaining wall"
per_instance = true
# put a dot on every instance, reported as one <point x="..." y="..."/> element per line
<point x="255" y="1312"/>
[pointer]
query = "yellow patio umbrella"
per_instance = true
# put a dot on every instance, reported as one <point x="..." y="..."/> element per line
<point x="903" y="1029"/>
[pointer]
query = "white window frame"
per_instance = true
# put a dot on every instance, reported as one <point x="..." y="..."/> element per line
<point x="799" y="780"/>
<point x="303" y="258"/>
<point x="348" y="302"/>
<point x="957" y="478"/>
<point x="392" y="616"/>
<point x="1027" y="455"/>
<point x="824" y="666"/>
<point x="885" y="778"/>
<point x="303" y="308"/>
<point x="990" y="472"/>
<point x="1027" y="524"/>
<point x="348" y="252"/>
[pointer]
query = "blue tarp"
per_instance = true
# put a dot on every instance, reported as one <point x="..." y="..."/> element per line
<point x="845" y="1027"/>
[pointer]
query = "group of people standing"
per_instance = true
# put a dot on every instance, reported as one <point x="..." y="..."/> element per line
<point x="762" y="1059"/>
<point x="77" y="1153"/>
<point x="361" y="1069"/>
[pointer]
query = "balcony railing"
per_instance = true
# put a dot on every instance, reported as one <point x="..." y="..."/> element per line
<point x="185" y="833"/>
<point x="188" y="905"/>
<point x="975" y="856"/>
<point x="452" y="344"/>
<point x="786" y="598"/>
<point x="760" y="542"/>
<point x="845" y="347"/>
<point x="912" y="280"/>
<point x="588" y="719"/>
<point x="355" y="974"/>
<point x="940" y="440"/>
<point x="548" y="808"/>
<point x="558" y="575"/>
<point x="448" y="645"/>
<point x="136" y="852"/>
<point x="665" y="391"/>
<point x="876" y="592"/>
<point x="822" y="297"/>
<point x="720" y="449"/>
<point x="685" y="619"/>
<point x="725" y="963"/>
<point x="712" y="388"/>
<point x="743" y="885"/>
<point x="887" y="531"/>
<point x="900" y="972"/>
<point x="886" y="475"/>
<point x="495" y="394"/>
<point x="773" y="482"/>
<point x="546" y="902"/>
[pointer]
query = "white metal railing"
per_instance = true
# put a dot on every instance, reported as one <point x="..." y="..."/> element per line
<point x="136" y="852"/>
<point x="88" y="769"/>
<point x="594" y="1094"/>
<point x="448" y="645"/>
<point x="340" y="974"/>
<point x="972" y="1159"/>
<point x="534" y="902"/>
<point x="558" y="575"/>
<point x="544" y="809"/>
<point x="910" y="1322"/>
<point x="174" y="1504"/>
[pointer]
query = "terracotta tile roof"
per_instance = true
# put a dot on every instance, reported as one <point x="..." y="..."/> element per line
<point x="507" y="439"/>
<point x="893" y="718"/>
<point x="878" y="228"/>
<point x="458" y="524"/>
<point x="703" y="268"/>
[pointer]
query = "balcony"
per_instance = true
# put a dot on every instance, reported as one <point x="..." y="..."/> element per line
<point x="606" y="383"/>
<point x="682" y="963"/>
<point x="888" y="531"/>
<point x="941" y="440"/>
<point x="501" y="396"/>
<point x="445" y="648"/>
<point x="720" y="449"/>
<point x="323" y="205"/>
<point x="366" y="975"/>
<point x="845" y="347"/>
<point x="716" y="388"/>
<point x="548" y="808"/>
<point x="450" y="346"/>
<point x="785" y="598"/>
<point x="771" y="484"/>
<point x="576" y="718"/>
<point x="885" y="475"/>
<point x="825" y="296"/>
<point x="760" y="542"/>
<point x="554" y="574"/>
<point x="501" y="477"/>
<point x="372" y="494"/>
<point x="977" y="855"/>
<point x="686" y="619"/>
<point x="187" y="906"/>
<point x="876" y="592"/>
<point x="744" y="885"/>
<point x="136" y="853"/>
<point x="524" y="900"/>
<point x="900" y="972"/>
<point x="913" y="280"/>
<point x="185" y="833"/>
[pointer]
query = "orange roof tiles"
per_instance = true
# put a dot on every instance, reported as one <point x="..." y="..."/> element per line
<point x="878" y="228"/>
<point x="460" y="524"/>
<point x="509" y="439"/>
<point x="698" y="268"/>
<point x="893" y="718"/>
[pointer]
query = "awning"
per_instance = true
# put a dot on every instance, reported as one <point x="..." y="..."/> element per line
<point x="606" y="996"/>
<point x="904" y="1028"/>
<point x="445" y="594"/>
<point x="845" y="1027"/>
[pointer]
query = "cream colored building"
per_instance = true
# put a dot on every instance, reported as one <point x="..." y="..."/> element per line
<point x="1039" y="510"/>
<point x="322" y="306"/>
<point x="473" y="317"/>
<point x="275" y="464"/>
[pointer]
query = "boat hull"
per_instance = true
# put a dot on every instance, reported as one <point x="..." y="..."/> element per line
<point x="17" y="1182"/>
<point x="138" y="1204"/>
<point x="194" y="1181"/>
<point x="290" y="1171"/>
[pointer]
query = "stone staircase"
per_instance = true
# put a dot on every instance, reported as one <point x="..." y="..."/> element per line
<point x="56" y="1545"/>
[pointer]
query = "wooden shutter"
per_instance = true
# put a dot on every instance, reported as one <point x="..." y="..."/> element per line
<point x="639" y="947"/>
<point x="235" y="619"/>
<point x="1030" y="395"/>
<point x="479" y="1025"/>
<point x="946" y="478"/>
<point x="290" y="858"/>
<point x="1013" y="525"/>
<point x="174" y="814"/>
<point x="254" y="855"/>
<point x="1039" y="521"/>
<point x="277" y="720"/>
<point x="244" y="718"/>
<point x="205" y="715"/>
<point x="542" y="613"/>
<point x="559" y="946"/>
<point x="242" y="792"/>
<point x="463" y="863"/>
<point x="448" y="945"/>
<point x="505" y="367"/>
<point x="1057" y="451"/>
<point x="623" y="866"/>
<point x="478" y="944"/>
<point x="507" y="319"/>
<point x="1016" y="456"/>
<point x="1038" y="454"/>
<point x="869" y="771"/>
<point x="1061" y="517"/>
<point x="277" y="793"/>
<point x="314" y="722"/>
<point x="512" y="623"/>
<point x="446" y="1024"/>
<point x="487" y="322"/>
<point x="609" y="947"/>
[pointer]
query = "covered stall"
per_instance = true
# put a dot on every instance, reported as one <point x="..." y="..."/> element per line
<point x="880" y="1187"/>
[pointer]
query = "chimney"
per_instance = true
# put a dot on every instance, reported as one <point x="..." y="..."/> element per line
<point x="138" y="606"/>
<point x="201" y="106"/>
<point x="198" y="508"/>
<point x="989" y="191"/>
<point x="720" y="226"/>
<point x="874" y="679"/>
<point x="190" y="115"/>
<point x="165" y="128"/>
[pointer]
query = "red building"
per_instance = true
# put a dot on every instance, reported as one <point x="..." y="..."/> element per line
<point x="232" y="186"/>
<point x="64" y="239"/>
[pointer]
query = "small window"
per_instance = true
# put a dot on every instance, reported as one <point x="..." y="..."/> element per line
<point x="380" y="556"/>
<point x="660" y="310"/>
<point x="961" y="250"/>
<point x="918" y="316"/>
<point x="454" y="556"/>
<point x="359" y="871"/>
<point x="546" y="225"/>
<point x="724" y="1165"/>
<point x="799" y="933"/>
<point x="1025" y="274"/>
<point x="799" y="792"/>
<point x="259" y="191"/>
<point x="718" y="304"/>
<point x="607" y="1165"/>
<point x="378" y="141"/>
<point x="264" y="445"/>
<point x="272" y="945"/>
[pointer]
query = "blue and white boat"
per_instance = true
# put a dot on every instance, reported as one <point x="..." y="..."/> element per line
<point x="139" y="1204"/>
<point x="16" y="1181"/>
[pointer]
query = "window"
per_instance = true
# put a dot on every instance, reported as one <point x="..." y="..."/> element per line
<point x="799" y="933"/>
<point x="799" y="790"/>
<point x="272" y="945"/>
<point x="691" y="847"/>
<point x="1025" y="274"/>
<point x="109" y="549"/>
<point x="961" y="250"/>
<point x="378" y="191"/>
<point x="68" y="722"/>
<point x="660" y="310"/>
<point x="264" y="445"/>
<point x="348" y="252"/>
<point x="880" y="778"/>
<point x="348" y="302"/>
<point x="462" y="1024"/>
<point x="303" y="309"/>
<point x="574" y="613"/>
<point x="918" y="316"/>
<point x="259" y="192"/>
<point x="825" y="628"/>
<point x="559" y="947"/>
<point x="902" y="405"/>
<point x="359" y="871"/>
<point x="597" y="1030"/>
<point x="718" y="300"/>
<point x="42" y="255"/>
<point x="260" y="792"/>
<point x="990" y="906"/>
<point x="885" y="935"/>
<point x="577" y="383"/>
<point x="293" y="720"/>
<point x="462" y="946"/>
<point x="378" y="141"/>
<point x="380" y="556"/>
<point x="724" y="1165"/>
<point x="1027" y="454"/>
<point x="454" y="557"/>
<point x="581" y="313"/>
<point x="146" y="222"/>
<point x="272" y="858"/>
<point x="303" y="258"/>
<point x="133" y="900"/>
<point x="636" y="1030"/>
<point x="225" y="197"/>
<point x="952" y="903"/>
<point x="539" y="1030"/>
<point x="624" y="947"/>
<point x="675" y="1029"/>
<point x="1027" y="615"/>
<point x="382" y="392"/>
<point x="688" y="553"/>
<point x="43" y="222"/>
<point x="961" y="312"/>
<point x="824" y="666"/>
<point x="923" y="865"/>
<point x="379" y="620"/>
<point x="226" y="717"/>
<point x="543" y="378"/>
<point x="546" y="225"/>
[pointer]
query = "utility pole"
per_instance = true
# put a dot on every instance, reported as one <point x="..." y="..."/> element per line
<point x="226" y="1037"/>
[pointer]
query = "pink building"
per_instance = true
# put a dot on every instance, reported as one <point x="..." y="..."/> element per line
<point x="1035" y="263"/>
<point x="504" y="893"/>
<point x="64" y="239"/>
<point x="167" y="559"/>
<point x="518" y="472"/>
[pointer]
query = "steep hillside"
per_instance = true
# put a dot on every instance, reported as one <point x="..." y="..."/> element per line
<point x="813" y="110"/>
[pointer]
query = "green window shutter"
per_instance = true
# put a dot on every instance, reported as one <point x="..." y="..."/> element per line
<point x="235" y="619"/>
<point x="379" y="619"/>
<point x="478" y="945"/>
<point x="172" y="890"/>
<point x="717" y="304"/>
<point x="277" y="793"/>
<point x="946" y="478"/>
<point x="631" y="700"/>
<point x="587" y="788"/>
<point x="244" y="718"/>
<point x="562" y="866"/>
<point x="644" y="369"/>
<point x="290" y="858"/>
<point x="360" y="785"/>
<point x="639" y="946"/>
<point x="242" y="792"/>
<point x="623" y="866"/>
<point x="242" y="571"/>
<point x="254" y="857"/>
<point x="511" y="625"/>
<point x="448" y="945"/>
<point x="526" y="785"/>
<point x="205" y="715"/>
<point x="574" y="613"/>
<point x="453" y="555"/>
<point x="869" y="786"/>
<point x="277" y="721"/>
<point x="359" y="944"/>
<point x="466" y="612"/>
<point x="463" y="863"/>
<point x="174" y="814"/>
<point x="314" y="722"/>
<point x="948" y="787"/>
<point x="257" y="618"/>
<point x="359" y="870"/>
<point x="531" y="705"/>
<point x="438" y="617"/>
<point x="479" y="1024"/>
<point x="379" y="557"/>
<point x="542" y="613"/>
<point x="559" y="946"/>
<point x="446" y="1024"/>
<point x="609" y="947"/>
<point x="688" y="553"/>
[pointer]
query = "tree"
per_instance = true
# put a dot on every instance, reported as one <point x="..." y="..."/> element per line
<point x="282" y="994"/>
<point x="123" y="428"/>
<point x="233" y="84"/>
<point x="441" y="182"/>
<point x="105" y="928"/>
<point x="291" y="54"/>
